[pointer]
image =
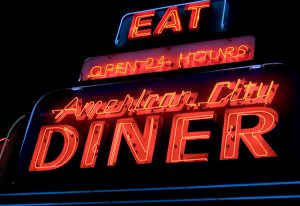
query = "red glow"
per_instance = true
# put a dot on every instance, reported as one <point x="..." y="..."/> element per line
<point x="195" y="9"/>
<point x="169" y="58"/>
<point x="180" y="135"/>
<point x="240" y="93"/>
<point x="4" y="139"/>
<point x="252" y="137"/>
<point x="141" y="146"/>
<point x="70" y="136"/>
<point x="75" y="107"/>
<point x="92" y="145"/>
<point x="162" y="63"/>
<point x="170" y="20"/>
<point x="223" y="94"/>
<point x="140" y="20"/>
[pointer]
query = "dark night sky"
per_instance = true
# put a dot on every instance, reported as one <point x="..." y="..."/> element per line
<point x="44" y="44"/>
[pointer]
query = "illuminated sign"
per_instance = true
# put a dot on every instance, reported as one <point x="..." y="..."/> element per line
<point x="169" y="58"/>
<point x="105" y="134"/>
<point x="170" y="20"/>
<point x="239" y="93"/>
<point x="150" y="102"/>
<point x="173" y="18"/>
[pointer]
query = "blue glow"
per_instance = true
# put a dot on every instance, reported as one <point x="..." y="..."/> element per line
<point x="223" y="14"/>
<point x="261" y="184"/>
<point x="76" y="88"/>
<point x="257" y="66"/>
<point x="272" y="197"/>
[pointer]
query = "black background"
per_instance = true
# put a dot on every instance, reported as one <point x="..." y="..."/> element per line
<point x="43" y="44"/>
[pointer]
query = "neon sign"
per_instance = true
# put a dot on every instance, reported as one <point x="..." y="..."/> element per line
<point x="232" y="120"/>
<point x="169" y="58"/>
<point x="223" y="94"/>
<point x="170" y="20"/>
<point x="194" y="124"/>
<point x="173" y="18"/>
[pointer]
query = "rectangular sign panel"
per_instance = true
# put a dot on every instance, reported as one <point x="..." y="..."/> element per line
<point x="235" y="125"/>
<point x="169" y="58"/>
<point x="203" y="16"/>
